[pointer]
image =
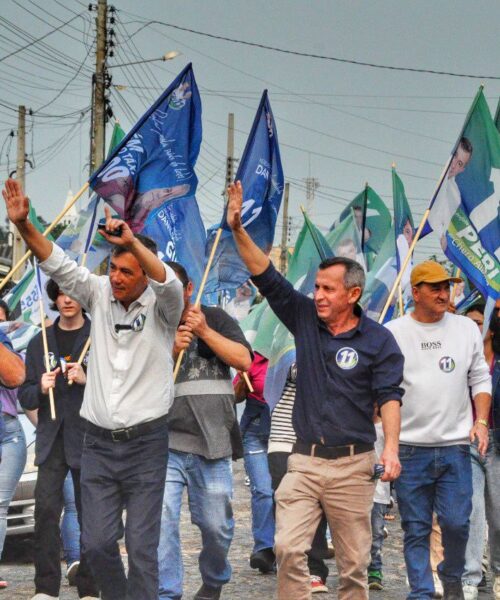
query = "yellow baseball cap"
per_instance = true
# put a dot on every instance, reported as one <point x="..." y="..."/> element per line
<point x="431" y="272"/>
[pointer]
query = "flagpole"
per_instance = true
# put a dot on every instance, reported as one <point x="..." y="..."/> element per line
<point x="82" y="355"/>
<point x="406" y="260"/>
<point x="313" y="233"/>
<point x="46" y="355"/>
<point x="198" y="302"/>
<point x="54" y="223"/>
<point x="454" y="290"/>
<point x="400" y="299"/>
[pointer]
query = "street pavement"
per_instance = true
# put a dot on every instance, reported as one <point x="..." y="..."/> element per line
<point x="245" y="583"/>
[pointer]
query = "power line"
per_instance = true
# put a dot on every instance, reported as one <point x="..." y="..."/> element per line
<point x="310" y="55"/>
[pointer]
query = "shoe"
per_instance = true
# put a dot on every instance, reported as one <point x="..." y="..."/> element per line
<point x="483" y="584"/>
<point x="41" y="596"/>
<point x="264" y="560"/>
<point x="496" y="587"/>
<point x="386" y="533"/>
<point x="3" y="584"/>
<point x="207" y="592"/>
<point x="318" y="586"/>
<point x="375" y="580"/>
<point x="438" y="586"/>
<point x="71" y="572"/>
<point x="453" y="590"/>
<point x="470" y="592"/>
<point x="90" y="598"/>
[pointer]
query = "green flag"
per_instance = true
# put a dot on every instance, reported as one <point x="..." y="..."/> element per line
<point x="497" y="116"/>
<point x="404" y="228"/>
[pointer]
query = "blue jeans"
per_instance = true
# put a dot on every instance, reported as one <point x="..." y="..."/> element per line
<point x="378" y="522"/>
<point x="209" y="486"/>
<point x="485" y="508"/>
<point x="439" y="479"/>
<point x="257" y="468"/>
<point x="70" y="528"/>
<point x="11" y="467"/>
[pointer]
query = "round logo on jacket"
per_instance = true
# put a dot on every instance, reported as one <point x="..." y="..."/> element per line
<point x="346" y="358"/>
<point x="52" y="361"/>
<point x="446" y="364"/>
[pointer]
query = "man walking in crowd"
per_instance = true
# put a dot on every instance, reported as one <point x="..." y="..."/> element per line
<point x="201" y="421"/>
<point x="59" y="442"/>
<point x="443" y="359"/>
<point x="255" y="424"/>
<point x="346" y="363"/>
<point x="135" y="312"/>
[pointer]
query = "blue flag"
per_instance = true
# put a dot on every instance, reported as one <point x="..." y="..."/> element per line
<point x="150" y="180"/>
<point x="261" y="175"/>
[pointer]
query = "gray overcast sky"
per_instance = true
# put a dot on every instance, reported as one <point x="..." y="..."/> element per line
<point x="342" y="124"/>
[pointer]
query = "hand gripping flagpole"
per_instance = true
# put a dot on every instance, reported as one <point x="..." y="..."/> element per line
<point x="198" y="302"/>
<point x="54" y="223"/>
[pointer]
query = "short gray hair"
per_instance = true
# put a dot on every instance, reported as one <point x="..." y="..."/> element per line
<point x="354" y="275"/>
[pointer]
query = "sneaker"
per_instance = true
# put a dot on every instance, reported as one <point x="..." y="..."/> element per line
<point x="206" y="592"/>
<point x="452" y="590"/>
<point x="90" y="598"/>
<point x="375" y="580"/>
<point x="71" y="572"/>
<point x="438" y="586"/>
<point x="330" y="550"/>
<point x="470" y="592"/>
<point x="3" y="584"/>
<point x="318" y="586"/>
<point x="386" y="533"/>
<point x="264" y="560"/>
<point x="483" y="584"/>
<point x="41" y="596"/>
<point x="496" y="587"/>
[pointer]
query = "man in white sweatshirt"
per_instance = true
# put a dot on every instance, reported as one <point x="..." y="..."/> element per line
<point x="444" y="364"/>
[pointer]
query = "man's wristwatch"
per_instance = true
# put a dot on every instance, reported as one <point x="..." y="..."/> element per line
<point x="482" y="422"/>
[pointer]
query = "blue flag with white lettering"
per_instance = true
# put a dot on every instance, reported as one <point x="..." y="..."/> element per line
<point x="261" y="175"/>
<point x="149" y="179"/>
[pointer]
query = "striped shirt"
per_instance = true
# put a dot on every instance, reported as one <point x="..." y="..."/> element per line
<point x="282" y="436"/>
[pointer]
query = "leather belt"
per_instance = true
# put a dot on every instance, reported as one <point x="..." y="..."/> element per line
<point x="331" y="452"/>
<point x="126" y="433"/>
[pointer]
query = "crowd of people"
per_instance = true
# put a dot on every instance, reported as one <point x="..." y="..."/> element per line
<point x="367" y="411"/>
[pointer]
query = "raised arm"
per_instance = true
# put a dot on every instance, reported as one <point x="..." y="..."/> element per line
<point x="253" y="257"/>
<point x="18" y="207"/>
<point x="150" y="263"/>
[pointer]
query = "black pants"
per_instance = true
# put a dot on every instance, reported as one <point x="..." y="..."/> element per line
<point x="126" y="475"/>
<point x="319" y="547"/>
<point x="48" y="507"/>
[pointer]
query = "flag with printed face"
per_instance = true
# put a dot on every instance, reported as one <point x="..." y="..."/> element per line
<point x="404" y="230"/>
<point x="465" y="211"/>
<point x="372" y="219"/>
<point x="345" y="239"/>
<point x="261" y="174"/>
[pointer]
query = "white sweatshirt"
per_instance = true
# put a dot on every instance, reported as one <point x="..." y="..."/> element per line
<point x="442" y="361"/>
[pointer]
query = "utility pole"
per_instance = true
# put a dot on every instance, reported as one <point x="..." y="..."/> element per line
<point x="230" y="160"/>
<point x="18" y="248"/>
<point x="98" y="128"/>
<point x="312" y="185"/>
<point x="284" y="233"/>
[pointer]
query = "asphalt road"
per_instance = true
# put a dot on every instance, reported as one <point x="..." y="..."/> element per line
<point x="245" y="584"/>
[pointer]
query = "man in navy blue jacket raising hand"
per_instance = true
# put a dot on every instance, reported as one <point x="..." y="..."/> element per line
<point x="346" y="364"/>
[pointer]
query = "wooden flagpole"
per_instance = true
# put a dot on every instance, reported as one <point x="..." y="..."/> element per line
<point x="55" y="222"/>
<point x="46" y="356"/>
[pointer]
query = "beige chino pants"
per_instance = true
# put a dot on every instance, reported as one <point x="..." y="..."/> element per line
<point x="343" y="490"/>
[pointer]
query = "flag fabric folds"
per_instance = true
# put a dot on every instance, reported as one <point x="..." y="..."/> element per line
<point x="465" y="211"/>
<point x="404" y="230"/>
<point x="261" y="174"/>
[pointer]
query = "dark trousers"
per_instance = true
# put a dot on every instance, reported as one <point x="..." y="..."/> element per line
<point x="319" y="548"/>
<point x="48" y="507"/>
<point x="126" y="475"/>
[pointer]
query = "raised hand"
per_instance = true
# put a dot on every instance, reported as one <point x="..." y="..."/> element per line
<point x="234" y="204"/>
<point x="113" y="225"/>
<point x="17" y="203"/>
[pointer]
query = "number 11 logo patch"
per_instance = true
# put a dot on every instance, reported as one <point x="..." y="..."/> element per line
<point x="446" y="364"/>
<point x="346" y="358"/>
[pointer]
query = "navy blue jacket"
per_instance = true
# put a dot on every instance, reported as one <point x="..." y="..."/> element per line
<point x="67" y="399"/>
<point x="339" y="378"/>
